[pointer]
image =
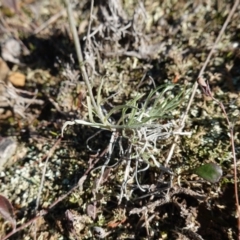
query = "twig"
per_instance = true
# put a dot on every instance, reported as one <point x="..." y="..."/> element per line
<point x="207" y="90"/>
<point x="43" y="178"/>
<point x="40" y="214"/>
<point x="231" y="131"/>
<point x="199" y="76"/>
<point x="44" y="171"/>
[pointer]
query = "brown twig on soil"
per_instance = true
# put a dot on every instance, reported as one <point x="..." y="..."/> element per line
<point x="207" y="91"/>
<point x="199" y="76"/>
<point x="44" y="171"/>
<point x="43" y="178"/>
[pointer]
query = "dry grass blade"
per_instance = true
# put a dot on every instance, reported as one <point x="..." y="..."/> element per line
<point x="80" y="59"/>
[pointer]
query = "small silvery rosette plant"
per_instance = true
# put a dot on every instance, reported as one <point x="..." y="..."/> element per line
<point x="145" y="122"/>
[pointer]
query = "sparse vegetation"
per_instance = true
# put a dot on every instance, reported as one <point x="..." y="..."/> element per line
<point x="125" y="130"/>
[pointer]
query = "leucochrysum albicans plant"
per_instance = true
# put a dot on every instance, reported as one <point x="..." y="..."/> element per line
<point x="141" y="123"/>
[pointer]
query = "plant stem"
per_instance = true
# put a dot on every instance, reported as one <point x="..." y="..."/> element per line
<point x="80" y="60"/>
